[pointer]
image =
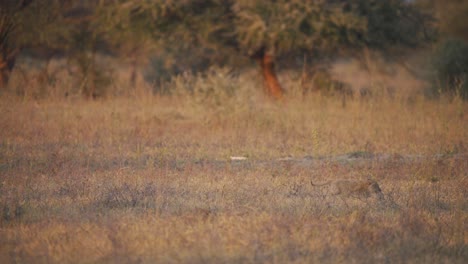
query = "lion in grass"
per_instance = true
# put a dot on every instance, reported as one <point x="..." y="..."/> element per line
<point x="354" y="188"/>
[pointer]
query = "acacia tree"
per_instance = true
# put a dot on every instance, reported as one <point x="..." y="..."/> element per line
<point x="127" y="33"/>
<point x="27" y="24"/>
<point x="452" y="21"/>
<point x="75" y="29"/>
<point x="9" y="13"/>
<point x="264" y="30"/>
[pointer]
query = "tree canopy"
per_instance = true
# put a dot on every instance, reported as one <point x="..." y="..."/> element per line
<point x="282" y="26"/>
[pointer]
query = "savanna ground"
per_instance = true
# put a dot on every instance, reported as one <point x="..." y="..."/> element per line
<point x="149" y="179"/>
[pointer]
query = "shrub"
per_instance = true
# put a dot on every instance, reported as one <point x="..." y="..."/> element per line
<point x="450" y="63"/>
<point x="217" y="88"/>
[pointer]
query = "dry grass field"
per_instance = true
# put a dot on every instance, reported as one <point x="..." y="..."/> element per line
<point x="151" y="180"/>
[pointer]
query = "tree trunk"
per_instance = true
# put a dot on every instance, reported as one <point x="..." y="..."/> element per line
<point x="7" y="62"/>
<point x="4" y="76"/>
<point x="133" y="74"/>
<point x="271" y="82"/>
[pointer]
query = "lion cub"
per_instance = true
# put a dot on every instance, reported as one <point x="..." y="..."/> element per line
<point x="354" y="188"/>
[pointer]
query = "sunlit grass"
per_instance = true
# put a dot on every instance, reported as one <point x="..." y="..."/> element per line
<point x="150" y="180"/>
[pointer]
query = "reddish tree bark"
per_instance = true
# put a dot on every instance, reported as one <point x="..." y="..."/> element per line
<point x="4" y="75"/>
<point x="7" y="62"/>
<point x="270" y="79"/>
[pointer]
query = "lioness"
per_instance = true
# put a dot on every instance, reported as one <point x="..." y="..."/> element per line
<point x="354" y="188"/>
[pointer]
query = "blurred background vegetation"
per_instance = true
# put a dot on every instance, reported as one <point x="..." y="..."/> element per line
<point x="105" y="48"/>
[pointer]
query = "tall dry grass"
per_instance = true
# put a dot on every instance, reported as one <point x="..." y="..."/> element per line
<point x="149" y="178"/>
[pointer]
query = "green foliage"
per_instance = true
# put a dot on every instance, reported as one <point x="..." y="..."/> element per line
<point x="33" y="23"/>
<point x="23" y="24"/>
<point x="452" y="21"/>
<point x="394" y="22"/>
<point x="284" y="26"/>
<point x="450" y="63"/>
